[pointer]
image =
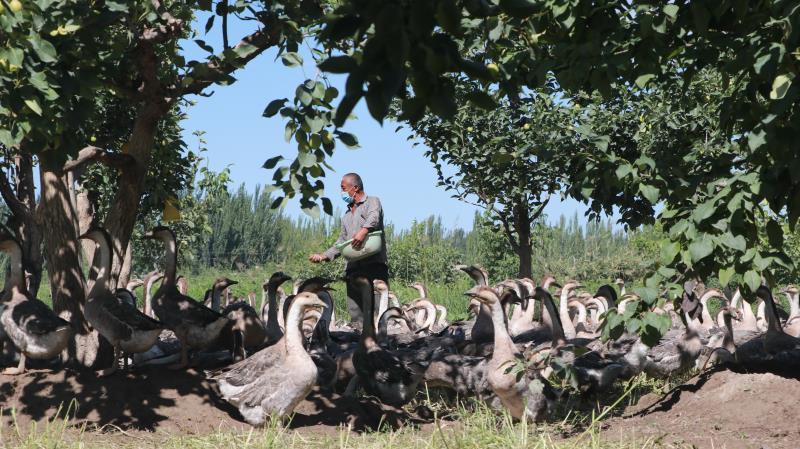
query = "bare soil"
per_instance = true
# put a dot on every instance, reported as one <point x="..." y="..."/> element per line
<point x="719" y="409"/>
<point x="173" y="402"/>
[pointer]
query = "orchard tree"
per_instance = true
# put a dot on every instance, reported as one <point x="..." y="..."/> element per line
<point x="508" y="161"/>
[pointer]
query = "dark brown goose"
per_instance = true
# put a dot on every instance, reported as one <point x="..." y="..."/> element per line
<point x="195" y="325"/>
<point x="32" y="327"/>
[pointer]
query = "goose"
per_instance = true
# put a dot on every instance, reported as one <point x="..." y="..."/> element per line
<point x="524" y="323"/>
<point x="421" y="289"/>
<point x="127" y="329"/>
<point x="721" y="347"/>
<point x="127" y="293"/>
<point x="379" y="371"/>
<point x="607" y="295"/>
<point x="183" y="285"/>
<point x="523" y="396"/>
<point x="774" y="349"/>
<point x="482" y="328"/>
<point x="393" y="301"/>
<point x="425" y="314"/>
<point x="149" y="280"/>
<point x="748" y="320"/>
<point x="792" y="326"/>
<point x="32" y="327"/>
<point x="620" y="283"/>
<point x="383" y="298"/>
<point x="195" y="325"/>
<point x="275" y="379"/>
<point x="246" y="328"/>
<point x="269" y="308"/>
<point x="563" y="308"/>
<point x="707" y="322"/>
<point x="441" y="318"/>
<point x="678" y="353"/>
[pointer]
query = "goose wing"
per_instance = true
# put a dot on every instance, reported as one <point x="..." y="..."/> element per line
<point x="36" y="318"/>
<point x="251" y="368"/>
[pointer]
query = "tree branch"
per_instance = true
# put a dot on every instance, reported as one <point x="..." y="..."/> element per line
<point x="510" y="235"/>
<point x="539" y="210"/>
<point x="217" y="69"/>
<point x="7" y="192"/>
<point x="163" y="32"/>
<point x="91" y="154"/>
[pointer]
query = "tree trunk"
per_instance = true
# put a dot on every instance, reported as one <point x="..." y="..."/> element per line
<point x="67" y="283"/>
<point x="84" y="212"/>
<point x="522" y="223"/>
<point x="122" y="215"/>
<point x="25" y="225"/>
<point x="127" y="265"/>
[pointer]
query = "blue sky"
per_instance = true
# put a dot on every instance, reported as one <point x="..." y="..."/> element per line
<point x="239" y="137"/>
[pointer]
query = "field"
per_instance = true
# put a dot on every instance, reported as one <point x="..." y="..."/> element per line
<point x="169" y="410"/>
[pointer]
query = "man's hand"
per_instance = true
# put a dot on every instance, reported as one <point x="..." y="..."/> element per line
<point x="358" y="239"/>
<point x="317" y="258"/>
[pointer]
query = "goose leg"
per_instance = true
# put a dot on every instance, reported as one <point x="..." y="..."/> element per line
<point x="113" y="368"/>
<point x="20" y="367"/>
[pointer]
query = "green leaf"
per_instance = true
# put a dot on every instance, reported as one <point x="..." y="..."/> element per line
<point x="34" y="106"/>
<point x="669" y="251"/>
<point x="274" y="106"/>
<point x="703" y="211"/>
<point x="671" y="11"/>
<point x="623" y="170"/>
<point x="780" y="85"/>
<point x="753" y="280"/>
<point x="327" y="206"/>
<point x="291" y="59"/>
<point x="330" y="94"/>
<point x="649" y="192"/>
<point x="482" y="100"/>
<point x="734" y="242"/>
<point x="244" y="50"/>
<point x="306" y="159"/>
<point x="347" y="139"/>
<point x="774" y="234"/>
<point x="701" y="248"/>
<point x="338" y="64"/>
<point x="642" y="80"/>
<point x="725" y="275"/>
<point x="519" y="8"/>
<point x="272" y="162"/>
<point x="44" y="49"/>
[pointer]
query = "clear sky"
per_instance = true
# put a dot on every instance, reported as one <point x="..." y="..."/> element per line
<point x="238" y="136"/>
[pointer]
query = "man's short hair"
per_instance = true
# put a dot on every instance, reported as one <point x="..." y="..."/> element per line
<point x="355" y="180"/>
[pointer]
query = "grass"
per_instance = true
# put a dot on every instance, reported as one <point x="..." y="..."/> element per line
<point x="449" y="295"/>
<point x="473" y="427"/>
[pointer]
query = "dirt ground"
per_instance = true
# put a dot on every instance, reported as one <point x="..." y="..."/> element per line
<point x="716" y="409"/>
<point x="720" y="409"/>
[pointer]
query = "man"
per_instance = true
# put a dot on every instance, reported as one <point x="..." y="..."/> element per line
<point x="364" y="214"/>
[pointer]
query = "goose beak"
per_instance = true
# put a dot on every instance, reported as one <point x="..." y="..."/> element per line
<point x="556" y="284"/>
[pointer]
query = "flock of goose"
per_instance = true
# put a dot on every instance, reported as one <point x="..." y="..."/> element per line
<point x="273" y="357"/>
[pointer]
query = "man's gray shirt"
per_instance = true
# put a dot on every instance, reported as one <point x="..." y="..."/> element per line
<point x="368" y="213"/>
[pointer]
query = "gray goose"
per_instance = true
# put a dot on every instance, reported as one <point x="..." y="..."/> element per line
<point x="525" y="397"/>
<point x="127" y="329"/>
<point x="195" y="325"/>
<point x="32" y="327"/>
<point x="379" y="371"/>
<point x="274" y="380"/>
<point x="482" y="331"/>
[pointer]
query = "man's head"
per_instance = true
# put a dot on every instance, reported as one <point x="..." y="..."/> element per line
<point x="352" y="185"/>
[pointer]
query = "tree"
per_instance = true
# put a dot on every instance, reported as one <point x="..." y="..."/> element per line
<point x="508" y="162"/>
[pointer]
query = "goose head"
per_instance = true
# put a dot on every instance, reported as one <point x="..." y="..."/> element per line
<point x="303" y="301"/>
<point x="790" y="289"/>
<point x="477" y="273"/>
<point x="483" y="295"/>
<point x="162" y="233"/>
<point x="98" y="235"/>
<point x="276" y="279"/>
<point x="223" y="283"/>
<point x="547" y="282"/>
<point x="571" y="285"/>
<point x="315" y="284"/>
<point x="133" y="284"/>
<point x="619" y="282"/>
<point x="380" y="286"/>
